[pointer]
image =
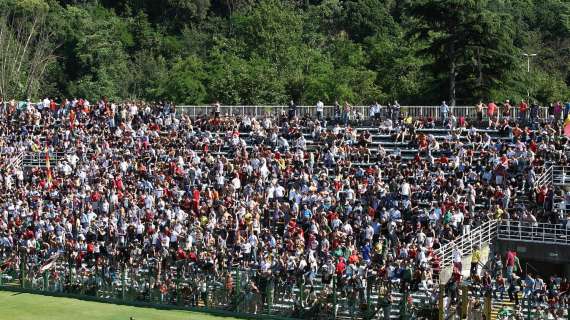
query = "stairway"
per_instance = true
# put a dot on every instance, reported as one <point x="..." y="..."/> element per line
<point x="522" y="309"/>
<point x="480" y="237"/>
<point x="503" y="304"/>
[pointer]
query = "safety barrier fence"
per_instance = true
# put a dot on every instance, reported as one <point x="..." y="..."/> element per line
<point x="242" y="291"/>
<point x="555" y="176"/>
<point x="534" y="232"/>
<point x="469" y="112"/>
<point x="561" y="175"/>
<point x="239" y="292"/>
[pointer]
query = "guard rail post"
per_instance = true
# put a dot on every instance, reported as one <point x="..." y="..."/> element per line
<point x="334" y="297"/>
<point x="178" y="295"/>
<point x="488" y="306"/>
<point x="23" y="270"/>
<point x="441" y="304"/>
<point x="368" y="303"/>
<point x="404" y="306"/>
<point x="301" y="294"/>
<point x="238" y="290"/>
<point x="150" y="288"/>
<point x="464" y="301"/>
<point x="265" y="301"/>
<point x="46" y="283"/>
<point x="529" y="306"/>
<point x="123" y="283"/>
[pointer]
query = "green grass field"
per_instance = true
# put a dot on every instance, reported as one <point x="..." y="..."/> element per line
<point x="24" y="306"/>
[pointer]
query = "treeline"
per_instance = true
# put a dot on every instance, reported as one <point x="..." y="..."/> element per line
<point x="272" y="51"/>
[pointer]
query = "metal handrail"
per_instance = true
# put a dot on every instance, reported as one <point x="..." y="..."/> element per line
<point x="328" y="111"/>
<point x="526" y="265"/>
<point x="560" y="174"/>
<point x="536" y="232"/>
<point x="15" y="161"/>
<point x="477" y="237"/>
<point x="553" y="176"/>
<point x="546" y="178"/>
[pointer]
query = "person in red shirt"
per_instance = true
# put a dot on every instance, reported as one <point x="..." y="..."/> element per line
<point x="523" y="107"/>
<point x="533" y="146"/>
<point x="510" y="262"/>
<point x="353" y="259"/>
<point x="491" y="112"/>
<point x="196" y="198"/>
<point x="340" y="267"/>
<point x="180" y="254"/>
<point x="53" y="106"/>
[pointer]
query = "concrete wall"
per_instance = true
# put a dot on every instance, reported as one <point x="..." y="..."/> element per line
<point x="547" y="258"/>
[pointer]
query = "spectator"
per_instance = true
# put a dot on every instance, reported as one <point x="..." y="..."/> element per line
<point x="444" y="111"/>
<point x="320" y="108"/>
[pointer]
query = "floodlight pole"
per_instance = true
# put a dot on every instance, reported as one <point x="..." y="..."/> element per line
<point x="528" y="56"/>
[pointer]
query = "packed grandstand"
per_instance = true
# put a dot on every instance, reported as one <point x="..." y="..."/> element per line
<point x="302" y="213"/>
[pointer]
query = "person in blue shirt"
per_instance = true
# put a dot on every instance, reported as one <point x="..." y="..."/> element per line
<point x="307" y="214"/>
<point x="528" y="286"/>
<point x="366" y="252"/>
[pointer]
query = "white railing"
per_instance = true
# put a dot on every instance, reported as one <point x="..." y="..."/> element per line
<point x="15" y="161"/>
<point x="545" y="178"/>
<point x="534" y="232"/>
<point x="561" y="175"/>
<point x="478" y="237"/>
<point x="556" y="176"/>
<point x="328" y="111"/>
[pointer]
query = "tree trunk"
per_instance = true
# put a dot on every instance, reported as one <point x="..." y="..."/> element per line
<point x="479" y="70"/>
<point x="452" y="75"/>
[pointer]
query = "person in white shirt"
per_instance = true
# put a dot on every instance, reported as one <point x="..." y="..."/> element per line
<point x="236" y="182"/>
<point x="405" y="190"/>
<point x="279" y="193"/>
<point x="320" y="109"/>
<point x="46" y="102"/>
<point x="456" y="258"/>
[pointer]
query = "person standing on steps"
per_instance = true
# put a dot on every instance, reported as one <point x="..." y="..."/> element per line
<point x="444" y="112"/>
<point x="292" y="110"/>
<point x="320" y="109"/>
<point x="475" y="260"/>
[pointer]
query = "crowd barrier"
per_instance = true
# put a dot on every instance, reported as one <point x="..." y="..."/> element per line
<point x="274" y="297"/>
<point x="469" y="112"/>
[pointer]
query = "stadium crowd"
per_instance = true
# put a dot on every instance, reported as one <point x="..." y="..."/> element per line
<point x="299" y="198"/>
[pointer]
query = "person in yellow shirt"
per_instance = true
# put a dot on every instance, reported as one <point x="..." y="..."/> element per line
<point x="475" y="259"/>
<point x="498" y="213"/>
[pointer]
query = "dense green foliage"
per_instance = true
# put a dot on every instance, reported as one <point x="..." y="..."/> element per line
<point x="271" y="51"/>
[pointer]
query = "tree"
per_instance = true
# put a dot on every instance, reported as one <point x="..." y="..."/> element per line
<point x="98" y="47"/>
<point x="465" y="39"/>
<point x="185" y="82"/>
<point x="26" y="47"/>
<point x="366" y="18"/>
